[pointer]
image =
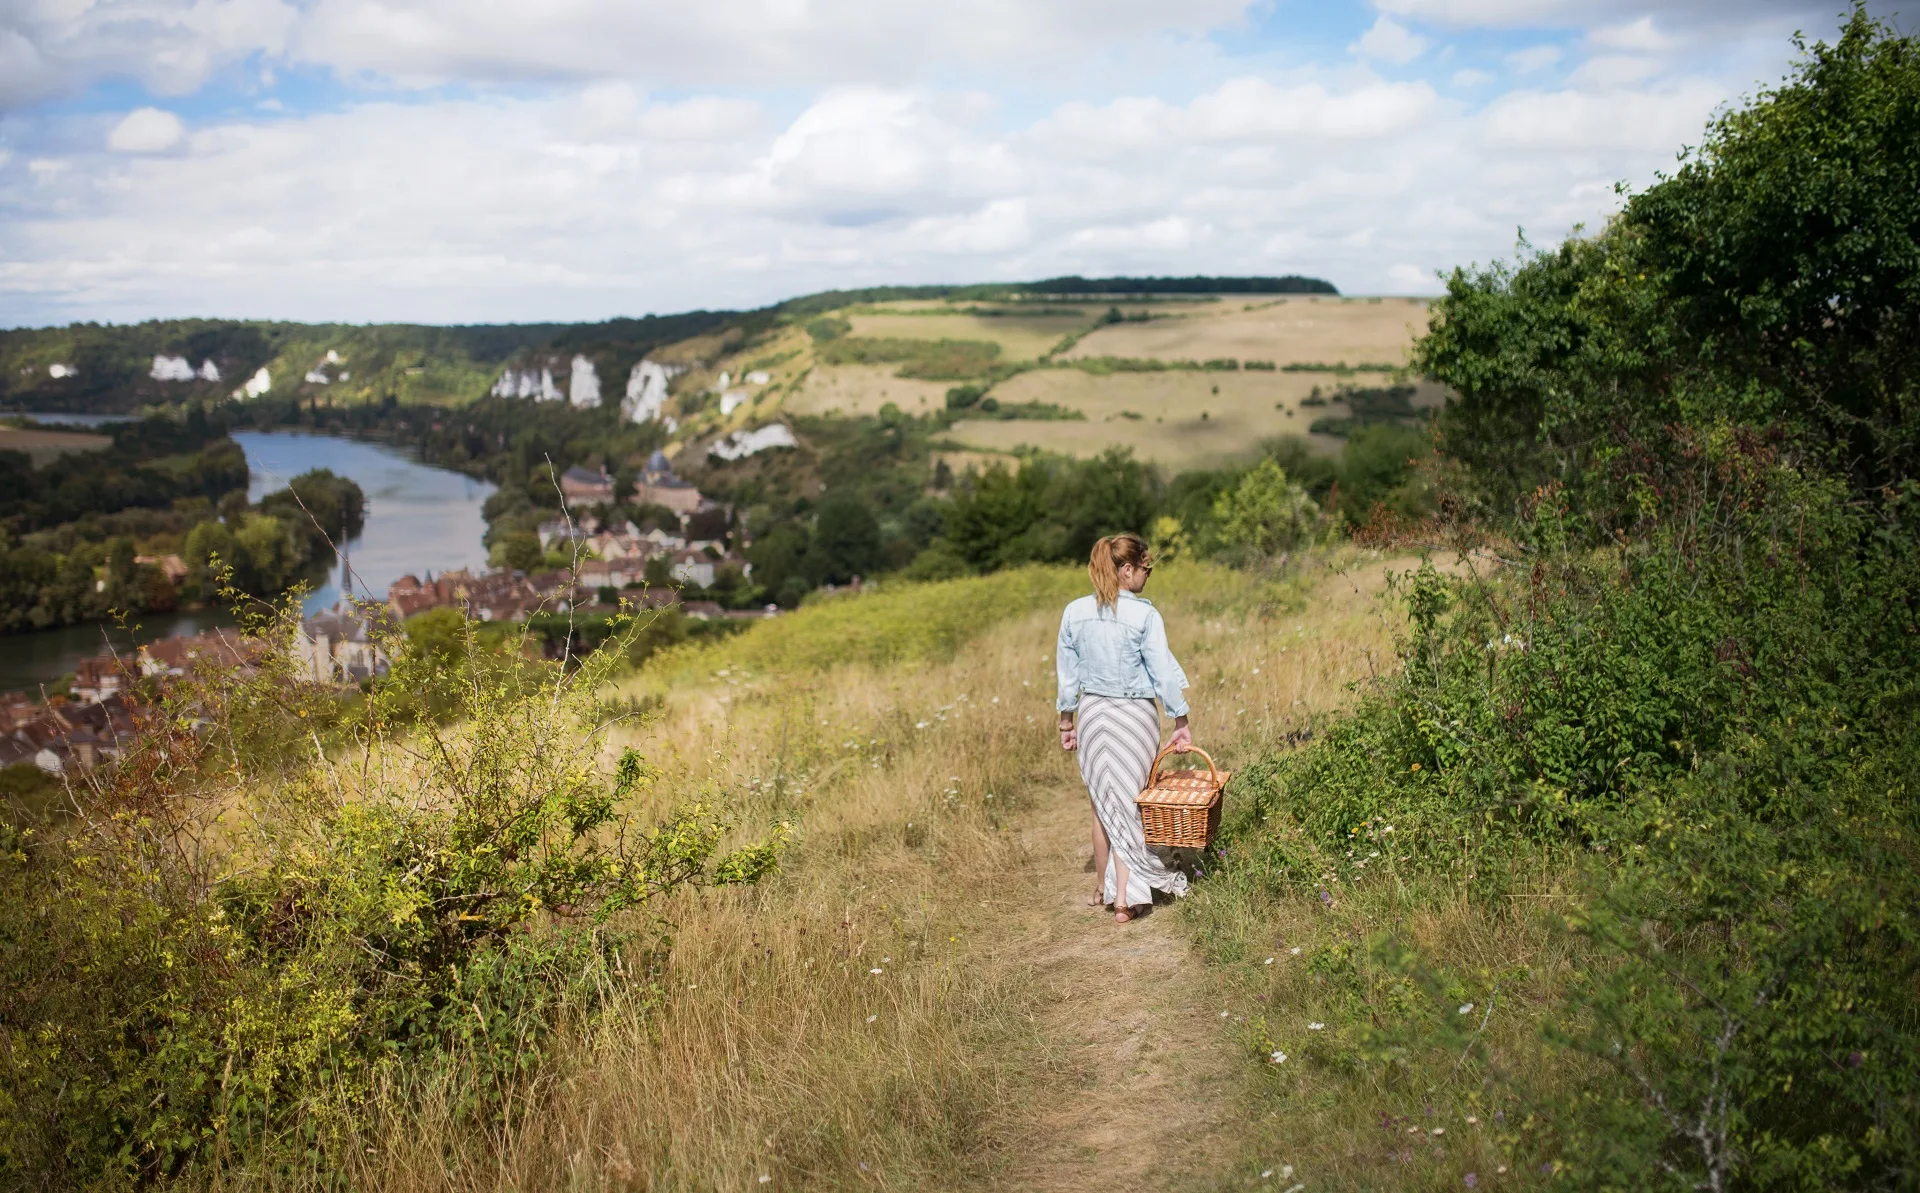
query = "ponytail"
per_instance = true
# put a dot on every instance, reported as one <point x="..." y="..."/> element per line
<point x="1103" y="573"/>
<point x="1103" y="568"/>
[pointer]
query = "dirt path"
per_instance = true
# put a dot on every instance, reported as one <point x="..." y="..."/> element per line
<point x="1145" y="1076"/>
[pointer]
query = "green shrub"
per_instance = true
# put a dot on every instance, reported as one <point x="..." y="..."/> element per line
<point x="1719" y="721"/>
<point x="279" y="898"/>
<point x="934" y="360"/>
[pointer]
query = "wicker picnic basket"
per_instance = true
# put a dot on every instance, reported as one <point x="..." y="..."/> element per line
<point x="1182" y="808"/>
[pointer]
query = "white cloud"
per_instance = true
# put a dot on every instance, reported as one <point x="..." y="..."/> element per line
<point x="146" y="130"/>
<point x="52" y="47"/>
<point x="1533" y="58"/>
<point x="1471" y="78"/>
<point x="1389" y="41"/>
<point x="1411" y="279"/>
<point x="1633" y="35"/>
<point x="1608" y="71"/>
<point x="1590" y="121"/>
<point x="597" y="200"/>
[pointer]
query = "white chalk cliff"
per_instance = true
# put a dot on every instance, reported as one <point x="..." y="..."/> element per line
<point x="171" y="368"/>
<point x="583" y="388"/>
<point x="742" y="444"/>
<point x="256" y="385"/>
<point x="647" y="390"/>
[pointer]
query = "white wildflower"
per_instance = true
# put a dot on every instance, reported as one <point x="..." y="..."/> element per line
<point x="1316" y="1026"/>
<point x="1466" y="1008"/>
<point x="1279" y="1058"/>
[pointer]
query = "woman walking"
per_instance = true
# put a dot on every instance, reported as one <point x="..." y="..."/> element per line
<point x="1112" y="661"/>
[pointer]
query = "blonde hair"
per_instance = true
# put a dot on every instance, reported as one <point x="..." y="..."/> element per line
<point x="1109" y="555"/>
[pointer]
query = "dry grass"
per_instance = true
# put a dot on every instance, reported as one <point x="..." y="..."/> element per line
<point x="1249" y="406"/>
<point x="1289" y="331"/>
<point x="863" y="389"/>
<point x="996" y="1044"/>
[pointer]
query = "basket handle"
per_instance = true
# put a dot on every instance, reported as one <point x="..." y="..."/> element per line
<point x="1213" y="772"/>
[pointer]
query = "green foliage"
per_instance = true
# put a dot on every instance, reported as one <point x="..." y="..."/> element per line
<point x="935" y="360"/>
<point x="1367" y="407"/>
<point x="1050" y="510"/>
<point x="1265" y="514"/>
<point x="829" y="327"/>
<point x="331" y="508"/>
<point x="846" y="539"/>
<point x="1770" y="282"/>
<point x="913" y="623"/>
<point x="384" y="894"/>
<point x="1722" y="722"/>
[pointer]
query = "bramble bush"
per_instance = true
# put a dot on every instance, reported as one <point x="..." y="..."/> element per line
<point x="1718" y="730"/>
<point x="281" y="901"/>
<point x="1679" y="671"/>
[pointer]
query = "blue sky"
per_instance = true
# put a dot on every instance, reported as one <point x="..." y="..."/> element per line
<point x="470" y="160"/>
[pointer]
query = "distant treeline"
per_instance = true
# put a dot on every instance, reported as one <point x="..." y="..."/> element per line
<point x="1290" y="284"/>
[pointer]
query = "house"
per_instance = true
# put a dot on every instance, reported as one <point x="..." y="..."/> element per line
<point x="692" y="567"/>
<point x="97" y="678"/>
<point x="489" y="596"/>
<point x="172" y="567"/>
<point x="560" y="530"/>
<point x="583" y="486"/>
<point x="595" y="575"/>
<point x="626" y="546"/>
<point x="657" y="485"/>
<point x="178" y="656"/>
<point x="338" y="646"/>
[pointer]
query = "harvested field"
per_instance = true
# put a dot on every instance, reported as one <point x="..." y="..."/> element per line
<point x="1174" y="445"/>
<point x="43" y="447"/>
<point x="1021" y="337"/>
<point x="1249" y="407"/>
<point x="863" y="389"/>
<point x="1287" y="331"/>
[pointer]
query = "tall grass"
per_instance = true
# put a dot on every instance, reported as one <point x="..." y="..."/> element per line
<point x="765" y="1044"/>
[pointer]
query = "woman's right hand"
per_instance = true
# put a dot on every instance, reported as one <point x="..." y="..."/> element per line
<point x="1069" y="736"/>
<point x="1182" y="740"/>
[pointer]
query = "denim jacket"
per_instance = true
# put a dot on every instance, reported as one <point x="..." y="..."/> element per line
<point x="1121" y="651"/>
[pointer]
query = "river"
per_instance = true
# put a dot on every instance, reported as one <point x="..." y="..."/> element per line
<point x="419" y="519"/>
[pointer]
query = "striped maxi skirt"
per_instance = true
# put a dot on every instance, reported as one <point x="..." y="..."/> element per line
<point x="1118" y="739"/>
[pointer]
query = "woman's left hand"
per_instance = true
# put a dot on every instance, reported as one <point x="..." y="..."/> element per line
<point x="1182" y="740"/>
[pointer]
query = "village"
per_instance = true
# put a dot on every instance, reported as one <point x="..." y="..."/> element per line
<point x="611" y="568"/>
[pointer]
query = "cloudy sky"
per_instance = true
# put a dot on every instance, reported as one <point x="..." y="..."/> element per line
<point x="499" y="160"/>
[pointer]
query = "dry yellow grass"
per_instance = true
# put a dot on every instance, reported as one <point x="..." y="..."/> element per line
<point x="863" y="389"/>
<point x="936" y="816"/>
<point x="1289" y="331"/>
<point x="1249" y="406"/>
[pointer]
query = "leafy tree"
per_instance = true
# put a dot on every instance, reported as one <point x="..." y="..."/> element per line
<point x="1773" y="281"/>
<point x="846" y="540"/>
<point x="332" y="509"/>
<point x="1265" y="513"/>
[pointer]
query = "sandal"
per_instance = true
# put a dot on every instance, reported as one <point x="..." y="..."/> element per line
<point x="1097" y="899"/>
<point x="1122" y="914"/>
